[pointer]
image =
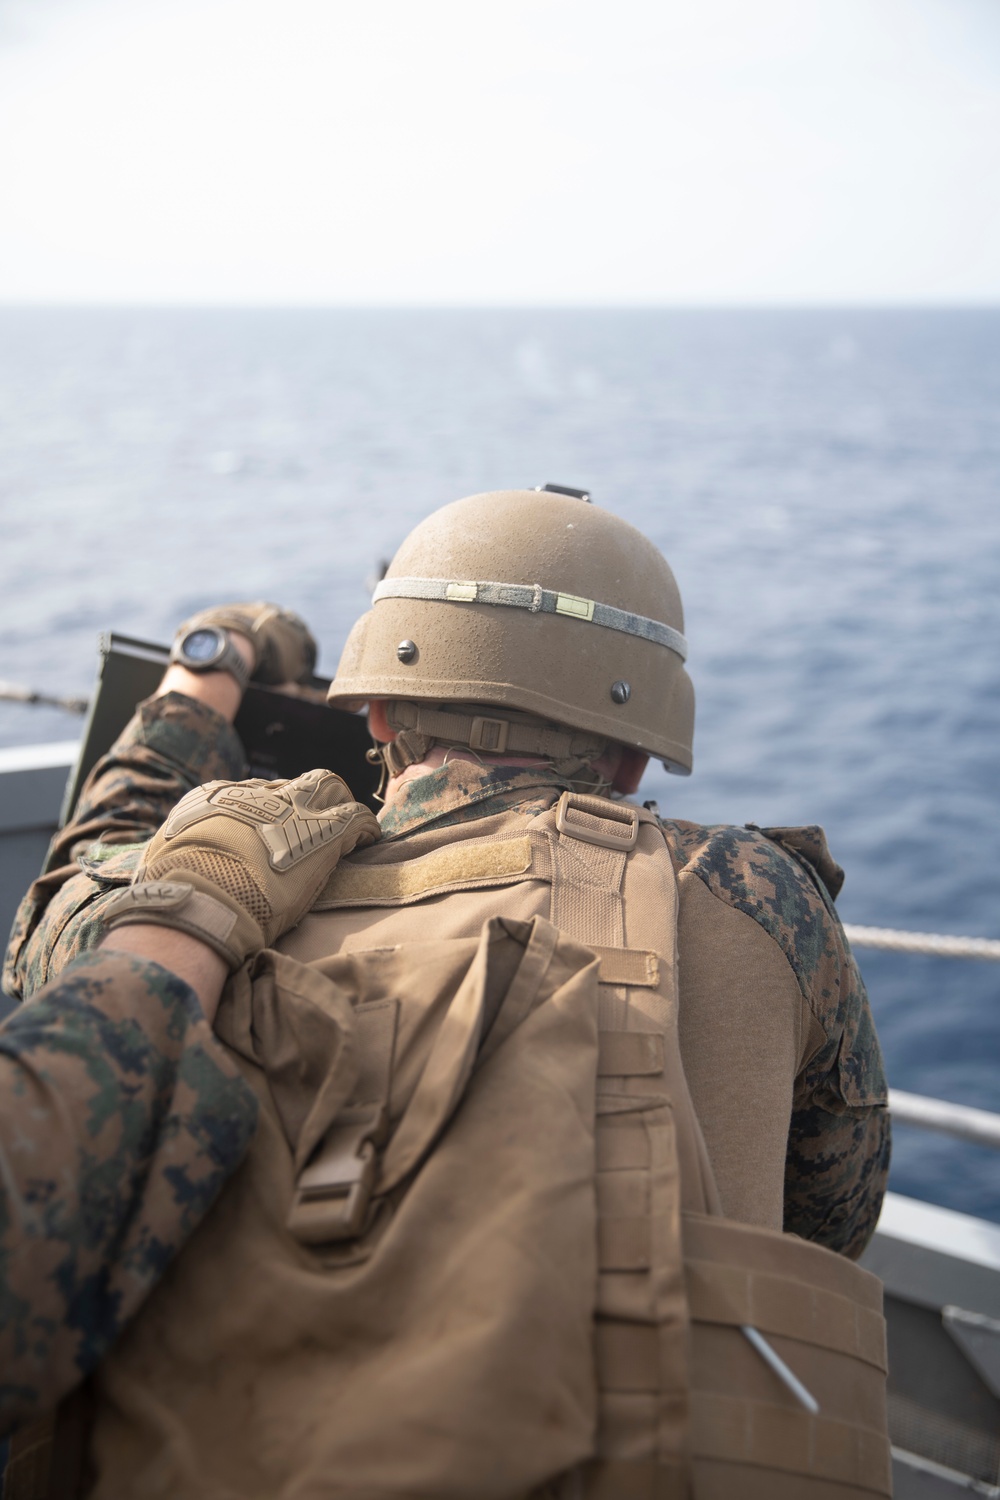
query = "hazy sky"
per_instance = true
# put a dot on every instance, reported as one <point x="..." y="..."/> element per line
<point x="530" y="151"/>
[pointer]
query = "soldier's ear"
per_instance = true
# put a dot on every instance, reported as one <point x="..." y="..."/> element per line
<point x="378" y="723"/>
<point x="630" y="768"/>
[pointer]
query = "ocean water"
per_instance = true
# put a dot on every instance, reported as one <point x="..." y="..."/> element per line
<point x="826" y="486"/>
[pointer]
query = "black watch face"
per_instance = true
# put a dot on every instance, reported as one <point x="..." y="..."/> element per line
<point x="202" y="645"/>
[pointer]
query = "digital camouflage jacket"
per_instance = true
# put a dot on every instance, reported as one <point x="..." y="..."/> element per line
<point x="121" y="1116"/>
<point x="784" y="880"/>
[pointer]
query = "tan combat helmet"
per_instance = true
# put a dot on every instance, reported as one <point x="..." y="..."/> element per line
<point x="533" y="601"/>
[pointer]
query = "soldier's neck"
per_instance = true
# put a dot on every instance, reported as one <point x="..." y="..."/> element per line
<point x="438" y="755"/>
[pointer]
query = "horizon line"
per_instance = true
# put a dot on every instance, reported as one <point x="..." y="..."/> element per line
<point x="720" y="305"/>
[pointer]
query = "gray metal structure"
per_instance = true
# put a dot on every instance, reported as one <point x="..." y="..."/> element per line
<point x="33" y="779"/>
<point x="941" y="1269"/>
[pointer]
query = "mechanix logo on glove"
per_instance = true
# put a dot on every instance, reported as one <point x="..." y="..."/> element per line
<point x="292" y="818"/>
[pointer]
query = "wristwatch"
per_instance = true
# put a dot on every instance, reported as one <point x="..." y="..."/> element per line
<point x="208" y="648"/>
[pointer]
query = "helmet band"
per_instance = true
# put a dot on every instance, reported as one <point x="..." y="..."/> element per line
<point x="532" y="597"/>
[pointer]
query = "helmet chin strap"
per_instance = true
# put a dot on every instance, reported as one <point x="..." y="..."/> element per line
<point x="407" y="749"/>
<point x="419" y="727"/>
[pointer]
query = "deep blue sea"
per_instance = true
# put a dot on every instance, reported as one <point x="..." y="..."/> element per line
<point x="826" y="486"/>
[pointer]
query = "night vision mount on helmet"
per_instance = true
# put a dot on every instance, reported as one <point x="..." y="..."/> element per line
<point x="535" y="601"/>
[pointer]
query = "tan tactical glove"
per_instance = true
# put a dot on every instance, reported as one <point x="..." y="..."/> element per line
<point x="238" y="863"/>
<point x="286" y="651"/>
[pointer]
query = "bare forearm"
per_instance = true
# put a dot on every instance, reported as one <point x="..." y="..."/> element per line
<point x="193" y="962"/>
<point x="217" y="690"/>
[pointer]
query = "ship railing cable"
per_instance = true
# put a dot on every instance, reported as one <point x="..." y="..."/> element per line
<point x="938" y="944"/>
<point x="942" y="1116"/>
<point x="979" y="1126"/>
<point x="12" y="692"/>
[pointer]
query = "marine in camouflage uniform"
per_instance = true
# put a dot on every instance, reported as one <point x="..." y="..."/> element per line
<point x="582" y="679"/>
<point x="122" y="1114"/>
<point x="172" y="745"/>
<point x="121" y="1117"/>
<point x="784" y="880"/>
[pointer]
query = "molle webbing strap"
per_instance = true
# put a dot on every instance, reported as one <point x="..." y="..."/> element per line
<point x="47" y="1458"/>
<point x="641" y="1331"/>
<point x="626" y="1479"/>
<point x="503" y="734"/>
<point x="589" y="855"/>
<point x="632" y="967"/>
<point x="778" y="1304"/>
<point x="731" y="1429"/>
<point x="630" y="1054"/>
<point x="535" y="599"/>
<point x="29" y="1462"/>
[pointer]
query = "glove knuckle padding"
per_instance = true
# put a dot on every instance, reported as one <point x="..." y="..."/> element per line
<point x="282" y="815"/>
<point x="263" y="848"/>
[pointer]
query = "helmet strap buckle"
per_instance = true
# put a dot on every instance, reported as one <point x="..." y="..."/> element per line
<point x="489" y="735"/>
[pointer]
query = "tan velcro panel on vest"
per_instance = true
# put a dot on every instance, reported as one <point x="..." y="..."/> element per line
<point x="455" y="867"/>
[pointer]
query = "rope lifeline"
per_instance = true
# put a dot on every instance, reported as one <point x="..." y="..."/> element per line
<point x="938" y="944"/>
<point x="12" y="692"/>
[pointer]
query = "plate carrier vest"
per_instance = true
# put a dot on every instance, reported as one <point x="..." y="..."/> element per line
<point x="476" y="1249"/>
